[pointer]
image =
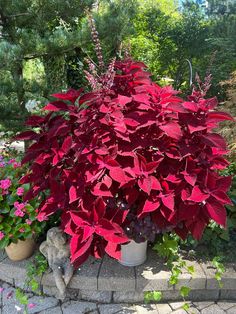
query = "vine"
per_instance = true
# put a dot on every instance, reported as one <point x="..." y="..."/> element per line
<point x="168" y="248"/>
<point x="34" y="273"/>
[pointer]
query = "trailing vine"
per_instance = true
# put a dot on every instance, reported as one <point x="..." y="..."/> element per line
<point x="34" y="273"/>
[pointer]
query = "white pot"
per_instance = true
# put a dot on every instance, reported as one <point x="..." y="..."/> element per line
<point x="133" y="253"/>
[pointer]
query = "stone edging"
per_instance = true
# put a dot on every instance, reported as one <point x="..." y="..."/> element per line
<point x="107" y="281"/>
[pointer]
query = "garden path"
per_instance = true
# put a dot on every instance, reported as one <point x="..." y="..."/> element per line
<point x="50" y="305"/>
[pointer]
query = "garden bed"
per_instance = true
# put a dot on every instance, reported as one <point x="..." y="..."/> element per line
<point x="107" y="281"/>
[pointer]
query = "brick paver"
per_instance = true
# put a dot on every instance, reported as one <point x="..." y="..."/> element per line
<point x="50" y="305"/>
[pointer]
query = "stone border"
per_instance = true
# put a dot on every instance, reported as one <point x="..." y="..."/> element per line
<point x="107" y="281"/>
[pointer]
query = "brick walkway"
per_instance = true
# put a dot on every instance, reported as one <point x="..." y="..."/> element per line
<point x="50" y="305"/>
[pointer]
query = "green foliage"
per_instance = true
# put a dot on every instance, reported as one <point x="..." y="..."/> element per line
<point x="53" y="39"/>
<point x="184" y="291"/>
<point x="150" y="296"/>
<point x="168" y="248"/>
<point x="220" y="269"/>
<point x="34" y="273"/>
<point x="35" y="30"/>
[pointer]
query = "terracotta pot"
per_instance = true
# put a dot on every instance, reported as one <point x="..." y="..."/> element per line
<point x="133" y="253"/>
<point x="21" y="250"/>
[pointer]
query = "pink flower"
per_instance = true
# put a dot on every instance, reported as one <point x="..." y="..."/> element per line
<point x="19" y="206"/>
<point x="5" y="184"/>
<point x="5" y="192"/>
<point x="28" y="221"/>
<point x="19" y="213"/>
<point x="2" y="164"/>
<point x="22" y="230"/>
<point x="20" y="191"/>
<point x="16" y="164"/>
<point x="11" y="161"/>
<point x="1" y="289"/>
<point x="1" y="235"/>
<point x="31" y="305"/>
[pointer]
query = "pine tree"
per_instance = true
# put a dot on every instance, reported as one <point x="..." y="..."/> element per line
<point x="35" y="30"/>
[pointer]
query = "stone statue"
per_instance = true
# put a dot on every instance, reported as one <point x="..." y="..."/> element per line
<point x="57" y="252"/>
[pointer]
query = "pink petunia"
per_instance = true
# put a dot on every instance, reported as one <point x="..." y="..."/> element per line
<point x="1" y="235"/>
<point x="20" y="191"/>
<point x="19" y="213"/>
<point x="22" y="230"/>
<point x="5" y="184"/>
<point x="28" y="221"/>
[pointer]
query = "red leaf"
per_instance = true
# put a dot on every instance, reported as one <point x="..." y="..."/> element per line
<point x="215" y="140"/>
<point x="150" y="206"/>
<point x="197" y="195"/>
<point x="145" y="184"/>
<point x="142" y="98"/>
<point x="192" y="106"/>
<point x="27" y="135"/>
<point x="73" y="194"/>
<point x="87" y="232"/>
<point x="67" y="143"/>
<point x="212" y="102"/>
<point x="175" y="108"/>
<point x="217" y="116"/>
<point x="70" y="95"/>
<point x="80" y="222"/>
<point x="222" y="197"/>
<point x="156" y="184"/>
<point x="197" y="228"/>
<point x="100" y="189"/>
<point x="172" y="129"/>
<point x="216" y="211"/>
<point x="224" y="183"/>
<point x="79" y="248"/>
<point x="113" y="250"/>
<point x="123" y="100"/>
<point x="168" y="201"/>
<point x="119" y="175"/>
<point x="131" y="122"/>
<point x="56" y="106"/>
<point x="35" y="120"/>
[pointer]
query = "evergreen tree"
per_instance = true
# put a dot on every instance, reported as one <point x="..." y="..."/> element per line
<point x="35" y="29"/>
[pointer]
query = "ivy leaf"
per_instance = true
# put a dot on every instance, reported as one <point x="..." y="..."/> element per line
<point x="186" y="306"/>
<point x="184" y="291"/>
<point x="157" y="295"/>
<point x="190" y="270"/>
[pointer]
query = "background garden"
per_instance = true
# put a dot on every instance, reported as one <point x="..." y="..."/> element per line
<point x="45" y="47"/>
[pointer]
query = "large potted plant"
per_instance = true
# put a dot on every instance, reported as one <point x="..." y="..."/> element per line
<point x="18" y="223"/>
<point x="127" y="150"/>
<point x="126" y="161"/>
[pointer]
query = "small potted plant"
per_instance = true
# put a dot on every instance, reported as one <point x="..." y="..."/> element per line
<point x="18" y="224"/>
<point x="126" y="154"/>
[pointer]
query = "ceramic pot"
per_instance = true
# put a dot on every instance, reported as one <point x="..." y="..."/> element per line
<point x="21" y="250"/>
<point x="133" y="253"/>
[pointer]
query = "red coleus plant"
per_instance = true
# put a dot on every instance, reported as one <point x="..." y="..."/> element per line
<point x="128" y="148"/>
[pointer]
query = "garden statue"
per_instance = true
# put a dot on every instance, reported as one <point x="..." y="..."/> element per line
<point x="57" y="252"/>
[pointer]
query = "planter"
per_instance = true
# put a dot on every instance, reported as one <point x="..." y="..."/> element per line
<point x="21" y="250"/>
<point x="133" y="254"/>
